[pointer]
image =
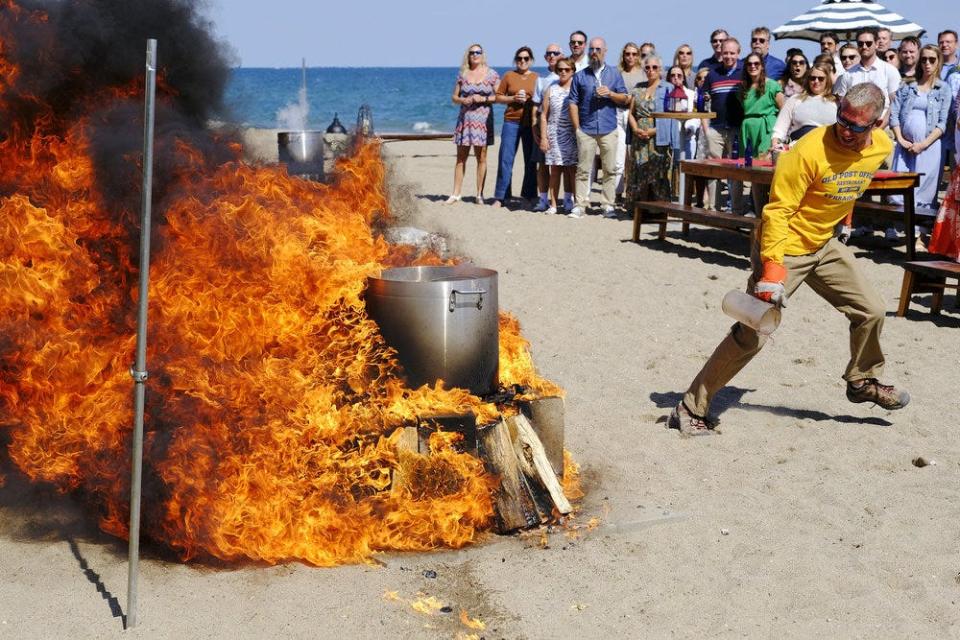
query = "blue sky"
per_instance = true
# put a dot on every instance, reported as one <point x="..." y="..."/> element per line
<point x="360" y="33"/>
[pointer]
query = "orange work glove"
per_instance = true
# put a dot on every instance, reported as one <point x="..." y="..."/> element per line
<point x="770" y="287"/>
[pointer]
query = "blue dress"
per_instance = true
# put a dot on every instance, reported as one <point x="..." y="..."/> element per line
<point x="914" y="128"/>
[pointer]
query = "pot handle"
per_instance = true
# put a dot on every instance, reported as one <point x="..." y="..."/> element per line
<point x="454" y="293"/>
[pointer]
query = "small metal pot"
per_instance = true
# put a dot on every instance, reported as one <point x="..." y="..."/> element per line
<point x="302" y="152"/>
<point x="443" y="323"/>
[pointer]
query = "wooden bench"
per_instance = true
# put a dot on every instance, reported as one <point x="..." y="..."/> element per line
<point x="927" y="277"/>
<point x="687" y="214"/>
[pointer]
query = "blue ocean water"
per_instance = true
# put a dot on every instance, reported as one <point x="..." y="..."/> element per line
<point x="403" y="99"/>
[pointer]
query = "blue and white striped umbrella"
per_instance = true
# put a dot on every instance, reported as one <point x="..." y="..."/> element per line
<point x="844" y="17"/>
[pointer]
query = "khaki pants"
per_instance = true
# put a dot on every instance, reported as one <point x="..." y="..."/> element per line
<point x="586" y="151"/>
<point x="832" y="273"/>
<point x="719" y="144"/>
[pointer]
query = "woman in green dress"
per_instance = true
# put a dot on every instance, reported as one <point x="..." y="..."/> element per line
<point x="651" y="152"/>
<point x="761" y="99"/>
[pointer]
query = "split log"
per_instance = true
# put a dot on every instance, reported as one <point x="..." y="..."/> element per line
<point x="547" y="417"/>
<point x="515" y="506"/>
<point x="534" y="462"/>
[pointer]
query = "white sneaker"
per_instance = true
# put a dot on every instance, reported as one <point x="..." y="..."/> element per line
<point x="609" y="212"/>
<point x="551" y="211"/>
<point x="576" y="212"/>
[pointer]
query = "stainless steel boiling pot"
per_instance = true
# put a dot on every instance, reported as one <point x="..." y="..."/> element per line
<point x="300" y="146"/>
<point x="443" y="323"/>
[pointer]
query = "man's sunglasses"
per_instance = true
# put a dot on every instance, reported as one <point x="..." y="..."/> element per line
<point x="865" y="43"/>
<point x="853" y="57"/>
<point x="577" y="43"/>
<point x="856" y="128"/>
<point x="550" y="54"/>
<point x="760" y="40"/>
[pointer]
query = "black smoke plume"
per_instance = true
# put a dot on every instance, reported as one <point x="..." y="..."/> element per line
<point x="85" y="59"/>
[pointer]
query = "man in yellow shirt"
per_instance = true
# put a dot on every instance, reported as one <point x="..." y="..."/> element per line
<point x="815" y="185"/>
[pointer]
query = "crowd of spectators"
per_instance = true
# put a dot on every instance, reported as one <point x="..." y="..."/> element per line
<point x="591" y="105"/>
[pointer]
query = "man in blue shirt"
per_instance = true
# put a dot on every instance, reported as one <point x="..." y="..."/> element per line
<point x="595" y="94"/>
<point x="760" y="43"/>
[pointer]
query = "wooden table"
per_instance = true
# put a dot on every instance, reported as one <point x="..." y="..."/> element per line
<point x="884" y="182"/>
<point x="685" y="115"/>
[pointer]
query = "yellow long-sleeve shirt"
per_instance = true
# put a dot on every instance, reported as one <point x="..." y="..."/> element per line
<point x="814" y="186"/>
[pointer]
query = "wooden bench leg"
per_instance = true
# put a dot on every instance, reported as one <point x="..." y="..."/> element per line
<point x="663" y="231"/>
<point x="906" y="290"/>
<point x="637" y="219"/>
<point x="685" y="229"/>
<point x="936" y="302"/>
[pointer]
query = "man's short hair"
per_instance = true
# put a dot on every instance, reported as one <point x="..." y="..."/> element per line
<point x="717" y="32"/>
<point x="946" y="32"/>
<point x="734" y="41"/>
<point x="867" y="31"/>
<point x="829" y="34"/>
<point x="911" y="40"/>
<point x="580" y="33"/>
<point x="763" y="30"/>
<point x="879" y="29"/>
<point x="866" y="94"/>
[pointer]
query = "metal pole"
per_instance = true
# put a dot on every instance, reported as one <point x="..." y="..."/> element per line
<point x="139" y="369"/>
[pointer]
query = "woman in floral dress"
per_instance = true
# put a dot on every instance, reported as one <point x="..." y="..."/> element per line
<point x="651" y="162"/>
<point x="558" y="140"/>
<point x="475" y="93"/>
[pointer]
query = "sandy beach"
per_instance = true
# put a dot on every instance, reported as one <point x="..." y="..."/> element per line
<point x="805" y="518"/>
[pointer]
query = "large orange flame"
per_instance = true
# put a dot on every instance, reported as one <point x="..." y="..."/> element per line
<point x="272" y="398"/>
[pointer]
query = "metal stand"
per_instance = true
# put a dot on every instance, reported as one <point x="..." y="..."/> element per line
<point x="139" y="370"/>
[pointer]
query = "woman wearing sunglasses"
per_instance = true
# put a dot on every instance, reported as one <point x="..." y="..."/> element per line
<point x="683" y="58"/>
<point x="815" y="106"/>
<point x="761" y="99"/>
<point x="792" y="81"/>
<point x="918" y="117"/>
<point x="849" y="56"/>
<point x="651" y="151"/>
<point x="516" y="90"/>
<point x="827" y="59"/>
<point x="558" y="140"/>
<point x="892" y="57"/>
<point x="475" y="93"/>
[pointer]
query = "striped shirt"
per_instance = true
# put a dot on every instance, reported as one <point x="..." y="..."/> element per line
<point x="722" y="84"/>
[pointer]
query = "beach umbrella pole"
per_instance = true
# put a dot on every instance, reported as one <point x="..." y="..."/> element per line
<point x="139" y="369"/>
